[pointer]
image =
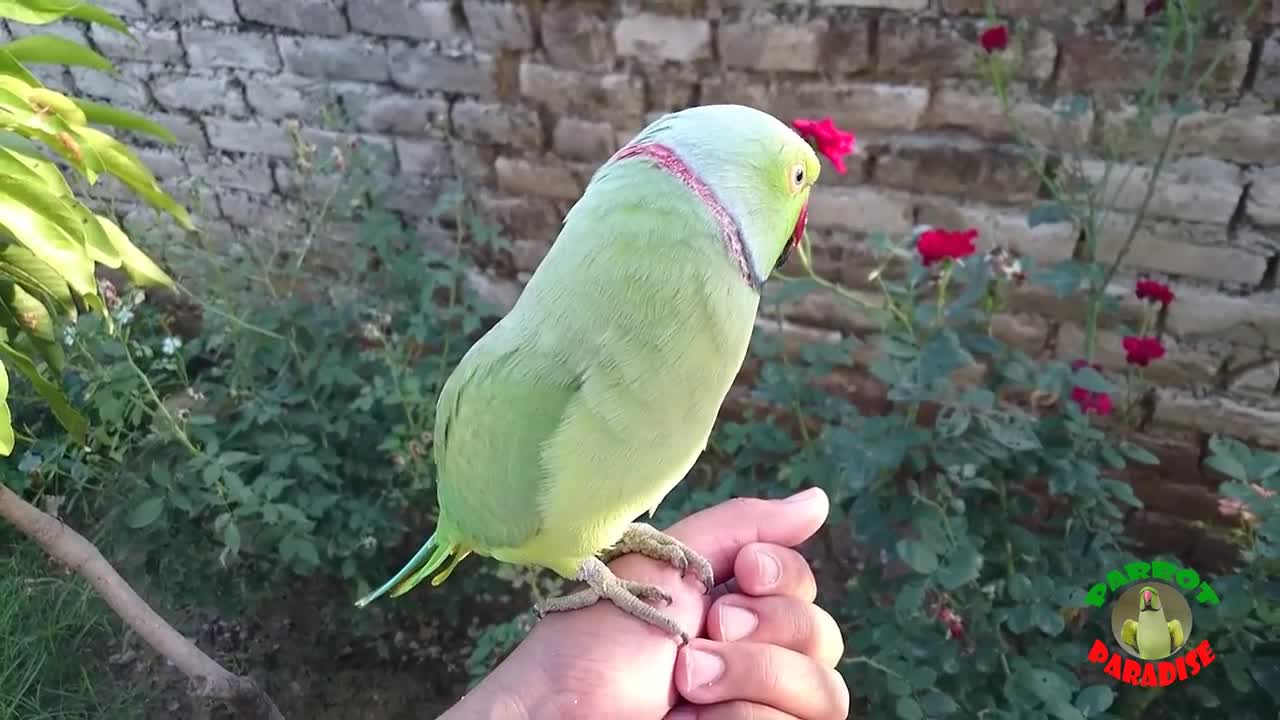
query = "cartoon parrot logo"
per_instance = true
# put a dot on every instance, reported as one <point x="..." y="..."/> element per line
<point x="1151" y="634"/>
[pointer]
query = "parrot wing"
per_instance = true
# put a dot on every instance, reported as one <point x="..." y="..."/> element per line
<point x="494" y="417"/>
<point x="1175" y="634"/>
<point x="1129" y="633"/>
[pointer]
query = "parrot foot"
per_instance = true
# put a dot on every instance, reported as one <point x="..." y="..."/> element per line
<point x="628" y="595"/>
<point x="652" y="543"/>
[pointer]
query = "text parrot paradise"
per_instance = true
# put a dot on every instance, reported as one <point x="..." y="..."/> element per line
<point x="1151" y="621"/>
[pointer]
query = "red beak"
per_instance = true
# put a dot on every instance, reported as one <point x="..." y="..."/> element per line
<point x="798" y="232"/>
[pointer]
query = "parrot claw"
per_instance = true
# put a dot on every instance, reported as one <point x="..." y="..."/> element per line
<point x="628" y="595"/>
<point x="646" y="540"/>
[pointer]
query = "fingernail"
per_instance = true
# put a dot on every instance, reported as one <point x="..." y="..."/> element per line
<point x="803" y="497"/>
<point x="702" y="668"/>
<point x="736" y="623"/>
<point x="770" y="570"/>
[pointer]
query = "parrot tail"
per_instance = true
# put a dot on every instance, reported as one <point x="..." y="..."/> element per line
<point x="427" y="560"/>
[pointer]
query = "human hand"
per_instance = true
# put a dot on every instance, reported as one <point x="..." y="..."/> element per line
<point x="601" y="663"/>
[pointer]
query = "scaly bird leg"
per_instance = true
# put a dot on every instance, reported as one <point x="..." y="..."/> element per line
<point x="652" y="543"/>
<point x="627" y="595"/>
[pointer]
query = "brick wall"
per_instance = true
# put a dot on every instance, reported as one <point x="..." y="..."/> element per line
<point x="524" y="99"/>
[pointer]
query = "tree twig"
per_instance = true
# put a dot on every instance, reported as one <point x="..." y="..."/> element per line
<point x="70" y="548"/>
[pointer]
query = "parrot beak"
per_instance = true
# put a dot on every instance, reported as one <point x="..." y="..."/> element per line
<point x="796" y="234"/>
<point x="1146" y="600"/>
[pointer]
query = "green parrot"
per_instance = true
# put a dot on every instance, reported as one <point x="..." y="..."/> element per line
<point x="594" y="396"/>
<point x="1151" y="635"/>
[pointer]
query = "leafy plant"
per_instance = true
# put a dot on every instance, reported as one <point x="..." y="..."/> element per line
<point x="50" y="242"/>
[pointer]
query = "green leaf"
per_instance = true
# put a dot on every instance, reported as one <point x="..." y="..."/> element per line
<point x="121" y="162"/>
<point x="1095" y="699"/>
<point x="6" y="418"/>
<point x="938" y="704"/>
<point x="72" y="421"/>
<point x="43" y="12"/>
<point x="145" y="513"/>
<point x="1138" y="454"/>
<point x="1092" y="380"/>
<point x="908" y="709"/>
<point x="1013" y="433"/>
<point x="54" y="50"/>
<point x="1019" y="587"/>
<point x="1048" y="620"/>
<point x="962" y="566"/>
<point x="919" y="556"/>
<point x="10" y="66"/>
<point x="1045" y="213"/>
<point x="37" y="277"/>
<point x="140" y="268"/>
<point x="1229" y="466"/>
<point x="101" y="114"/>
<point x="41" y="224"/>
<point x="231" y="536"/>
<point x="942" y="355"/>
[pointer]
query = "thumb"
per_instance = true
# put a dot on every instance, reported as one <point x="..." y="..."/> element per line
<point x="720" y="532"/>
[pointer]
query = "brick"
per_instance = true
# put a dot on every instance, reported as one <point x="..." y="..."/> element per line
<point x="1047" y="243"/>
<point x="1219" y="415"/>
<point x="578" y="139"/>
<point x="424" y="157"/>
<point x="1258" y="379"/>
<point x="1267" y="80"/>
<point x="275" y="97"/>
<point x="321" y="17"/>
<point x="658" y="38"/>
<point x="347" y="58"/>
<point x="951" y="165"/>
<point x="247" y="174"/>
<point x="1250" y="321"/>
<point x="123" y="8"/>
<point x="970" y="106"/>
<point x="417" y="19"/>
<point x="492" y="124"/>
<point x="189" y="132"/>
<point x="419" y="67"/>
<point x="863" y="106"/>
<point x="577" y="35"/>
<point x="531" y="217"/>
<point x="259" y="211"/>
<point x="474" y="163"/>
<point x="65" y="29"/>
<point x="1194" y="189"/>
<point x="200" y="93"/>
<point x="615" y="97"/>
<point x="1263" y="203"/>
<point x="249" y="137"/>
<point x="1094" y="63"/>
<point x="374" y="109"/>
<point x="151" y="44"/>
<point x="127" y="90"/>
<point x="914" y="48"/>
<point x="860" y="209"/>
<point x="1179" y="250"/>
<point x="1080" y="10"/>
<point x="188" y="10"/>
<point x="826" y="310"/>
<point x="543" y="178"/>
<point x="243" y="49"/>
<point x="900" y="5"/>
<point x="763" y="42"/>
<point x="499" y="25"/>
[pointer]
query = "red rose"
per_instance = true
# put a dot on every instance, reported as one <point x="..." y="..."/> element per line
<point x="831" y="140"/>
<point x="935" y="245"/>
<point x="1091" y="402"/>
<point x="1142" y="350"/>
<point x="1154" y="291"/>
<point x="1152" y="8"/>
<point x="994" y="38"/>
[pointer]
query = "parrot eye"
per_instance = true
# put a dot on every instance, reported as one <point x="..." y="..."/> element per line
<point x="797" y="177"/>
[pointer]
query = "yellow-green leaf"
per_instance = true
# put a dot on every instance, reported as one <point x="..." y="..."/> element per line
<point x="100" y="114"/>
<point x="32" y="170"/>
<point x="44" y="237"/>
<point x="38" y="278"/>
<point x="141" y="269"/>
<point x="72" y="421"/>
<point x="54" y="50"/>
<point x="25" y="311"/>
<point x="43" y="12"/>
<point x="10" y="66"/>
<point x="46" y="100"/>
<point x="121" y="162"/>
<point x="6" y="418"/>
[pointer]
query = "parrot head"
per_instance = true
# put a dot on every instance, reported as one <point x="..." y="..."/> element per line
<point x="753" y="165"/>
<point x="1148" y="600"/>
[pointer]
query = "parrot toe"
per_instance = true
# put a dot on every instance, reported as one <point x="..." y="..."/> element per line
<point x="653" y="543"/>
<point x="627" y="595"/>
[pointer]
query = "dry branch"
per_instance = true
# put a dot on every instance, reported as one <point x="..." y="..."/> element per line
<point x="71" y="549"/>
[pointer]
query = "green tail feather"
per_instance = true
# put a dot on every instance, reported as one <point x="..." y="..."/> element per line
<point x="427" y="560"/>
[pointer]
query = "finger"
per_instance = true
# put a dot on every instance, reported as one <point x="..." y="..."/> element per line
<point x="711" y="672"/>
<point x="719" y="532"/>
<point x="777" y="620"/>
<point x="733" y="710"/>
<point x="767" y="569"/>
